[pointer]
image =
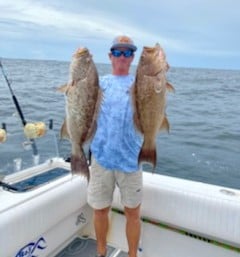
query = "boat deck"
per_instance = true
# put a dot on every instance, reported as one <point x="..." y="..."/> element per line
<point x="86" y="247"/>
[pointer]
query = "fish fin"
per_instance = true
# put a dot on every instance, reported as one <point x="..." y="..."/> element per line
<point x="148" y="153"/>
<point x="63" y="88"/>
<point x="91" y="132"/>
<point x="165" y="124"/>
<point x="135" y="108"/>
<point x="93" y="127"/>
<point x="64" y="131"/>
<point x="137" y="123"/>
<point x="170" y="88"/>
<point x="79" y="165"/>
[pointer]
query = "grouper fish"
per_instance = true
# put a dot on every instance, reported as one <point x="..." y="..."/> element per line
<point x="83" y="97"/>
<point x="149" y="100"/>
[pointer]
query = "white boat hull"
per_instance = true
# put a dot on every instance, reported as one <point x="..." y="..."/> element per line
<point x="180" y="218"/>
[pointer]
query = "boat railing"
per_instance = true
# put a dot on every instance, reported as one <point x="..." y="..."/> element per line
<point x="16" y="150"/>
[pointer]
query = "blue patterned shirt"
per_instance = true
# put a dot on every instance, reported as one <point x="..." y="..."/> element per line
<point x="116" y="143"/>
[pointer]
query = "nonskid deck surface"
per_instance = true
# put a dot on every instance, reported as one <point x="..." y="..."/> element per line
<point x="86" y="247"/>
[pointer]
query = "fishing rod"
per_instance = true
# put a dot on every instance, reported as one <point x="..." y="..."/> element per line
<point x="19" y="110"/>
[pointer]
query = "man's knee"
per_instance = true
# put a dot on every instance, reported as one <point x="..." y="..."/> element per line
<point x="100" y="213"/>
<point x="132" y="213"/>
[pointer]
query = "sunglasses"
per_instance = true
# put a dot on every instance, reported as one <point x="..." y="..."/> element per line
<point x="126" y="53"/>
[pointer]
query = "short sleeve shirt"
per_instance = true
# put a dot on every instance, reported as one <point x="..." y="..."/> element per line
<point x="117" y="143"/>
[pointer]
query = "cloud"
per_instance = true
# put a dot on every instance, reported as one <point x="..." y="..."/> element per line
<point x="31" y="15"/>
<point x="199" y="28"/>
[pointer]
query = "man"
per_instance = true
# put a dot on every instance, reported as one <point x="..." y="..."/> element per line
<point x="115" y="148"/>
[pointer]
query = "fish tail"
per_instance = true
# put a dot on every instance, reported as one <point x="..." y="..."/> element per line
<point x="148" y="153"/>
<point x="79" y="165"/>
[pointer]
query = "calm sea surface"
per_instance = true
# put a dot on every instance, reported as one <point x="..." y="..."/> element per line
<point x="204" y="113"/>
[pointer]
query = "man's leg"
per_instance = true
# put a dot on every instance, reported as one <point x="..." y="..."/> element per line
<point x="101" y="229"/>
<point x="100" y="192"/>
<point x="133" y="229"/>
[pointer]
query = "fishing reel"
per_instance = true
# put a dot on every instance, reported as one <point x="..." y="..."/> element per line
<point x="35" y="130"/>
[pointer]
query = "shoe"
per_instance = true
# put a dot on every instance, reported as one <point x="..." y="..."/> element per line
<point x="99" y="255"/>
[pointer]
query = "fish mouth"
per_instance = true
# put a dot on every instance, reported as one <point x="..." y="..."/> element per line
<point x="81" y="51"/>
<point x="149" y="49"/>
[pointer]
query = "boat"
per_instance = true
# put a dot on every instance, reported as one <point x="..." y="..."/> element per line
<point x="44" y="213"/>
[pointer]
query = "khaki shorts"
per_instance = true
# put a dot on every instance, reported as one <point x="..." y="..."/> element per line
<point x="102" y="184"/>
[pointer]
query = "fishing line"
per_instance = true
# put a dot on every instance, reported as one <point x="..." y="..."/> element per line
<point x="19" y="110"/>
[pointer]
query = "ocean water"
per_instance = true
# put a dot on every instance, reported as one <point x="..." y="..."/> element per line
<point x="204" y="113"/>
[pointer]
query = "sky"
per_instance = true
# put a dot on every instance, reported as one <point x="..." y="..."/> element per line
<point x="193" y="33"/>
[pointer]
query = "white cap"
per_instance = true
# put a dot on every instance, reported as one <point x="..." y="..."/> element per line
<point x="123" y="41"/>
